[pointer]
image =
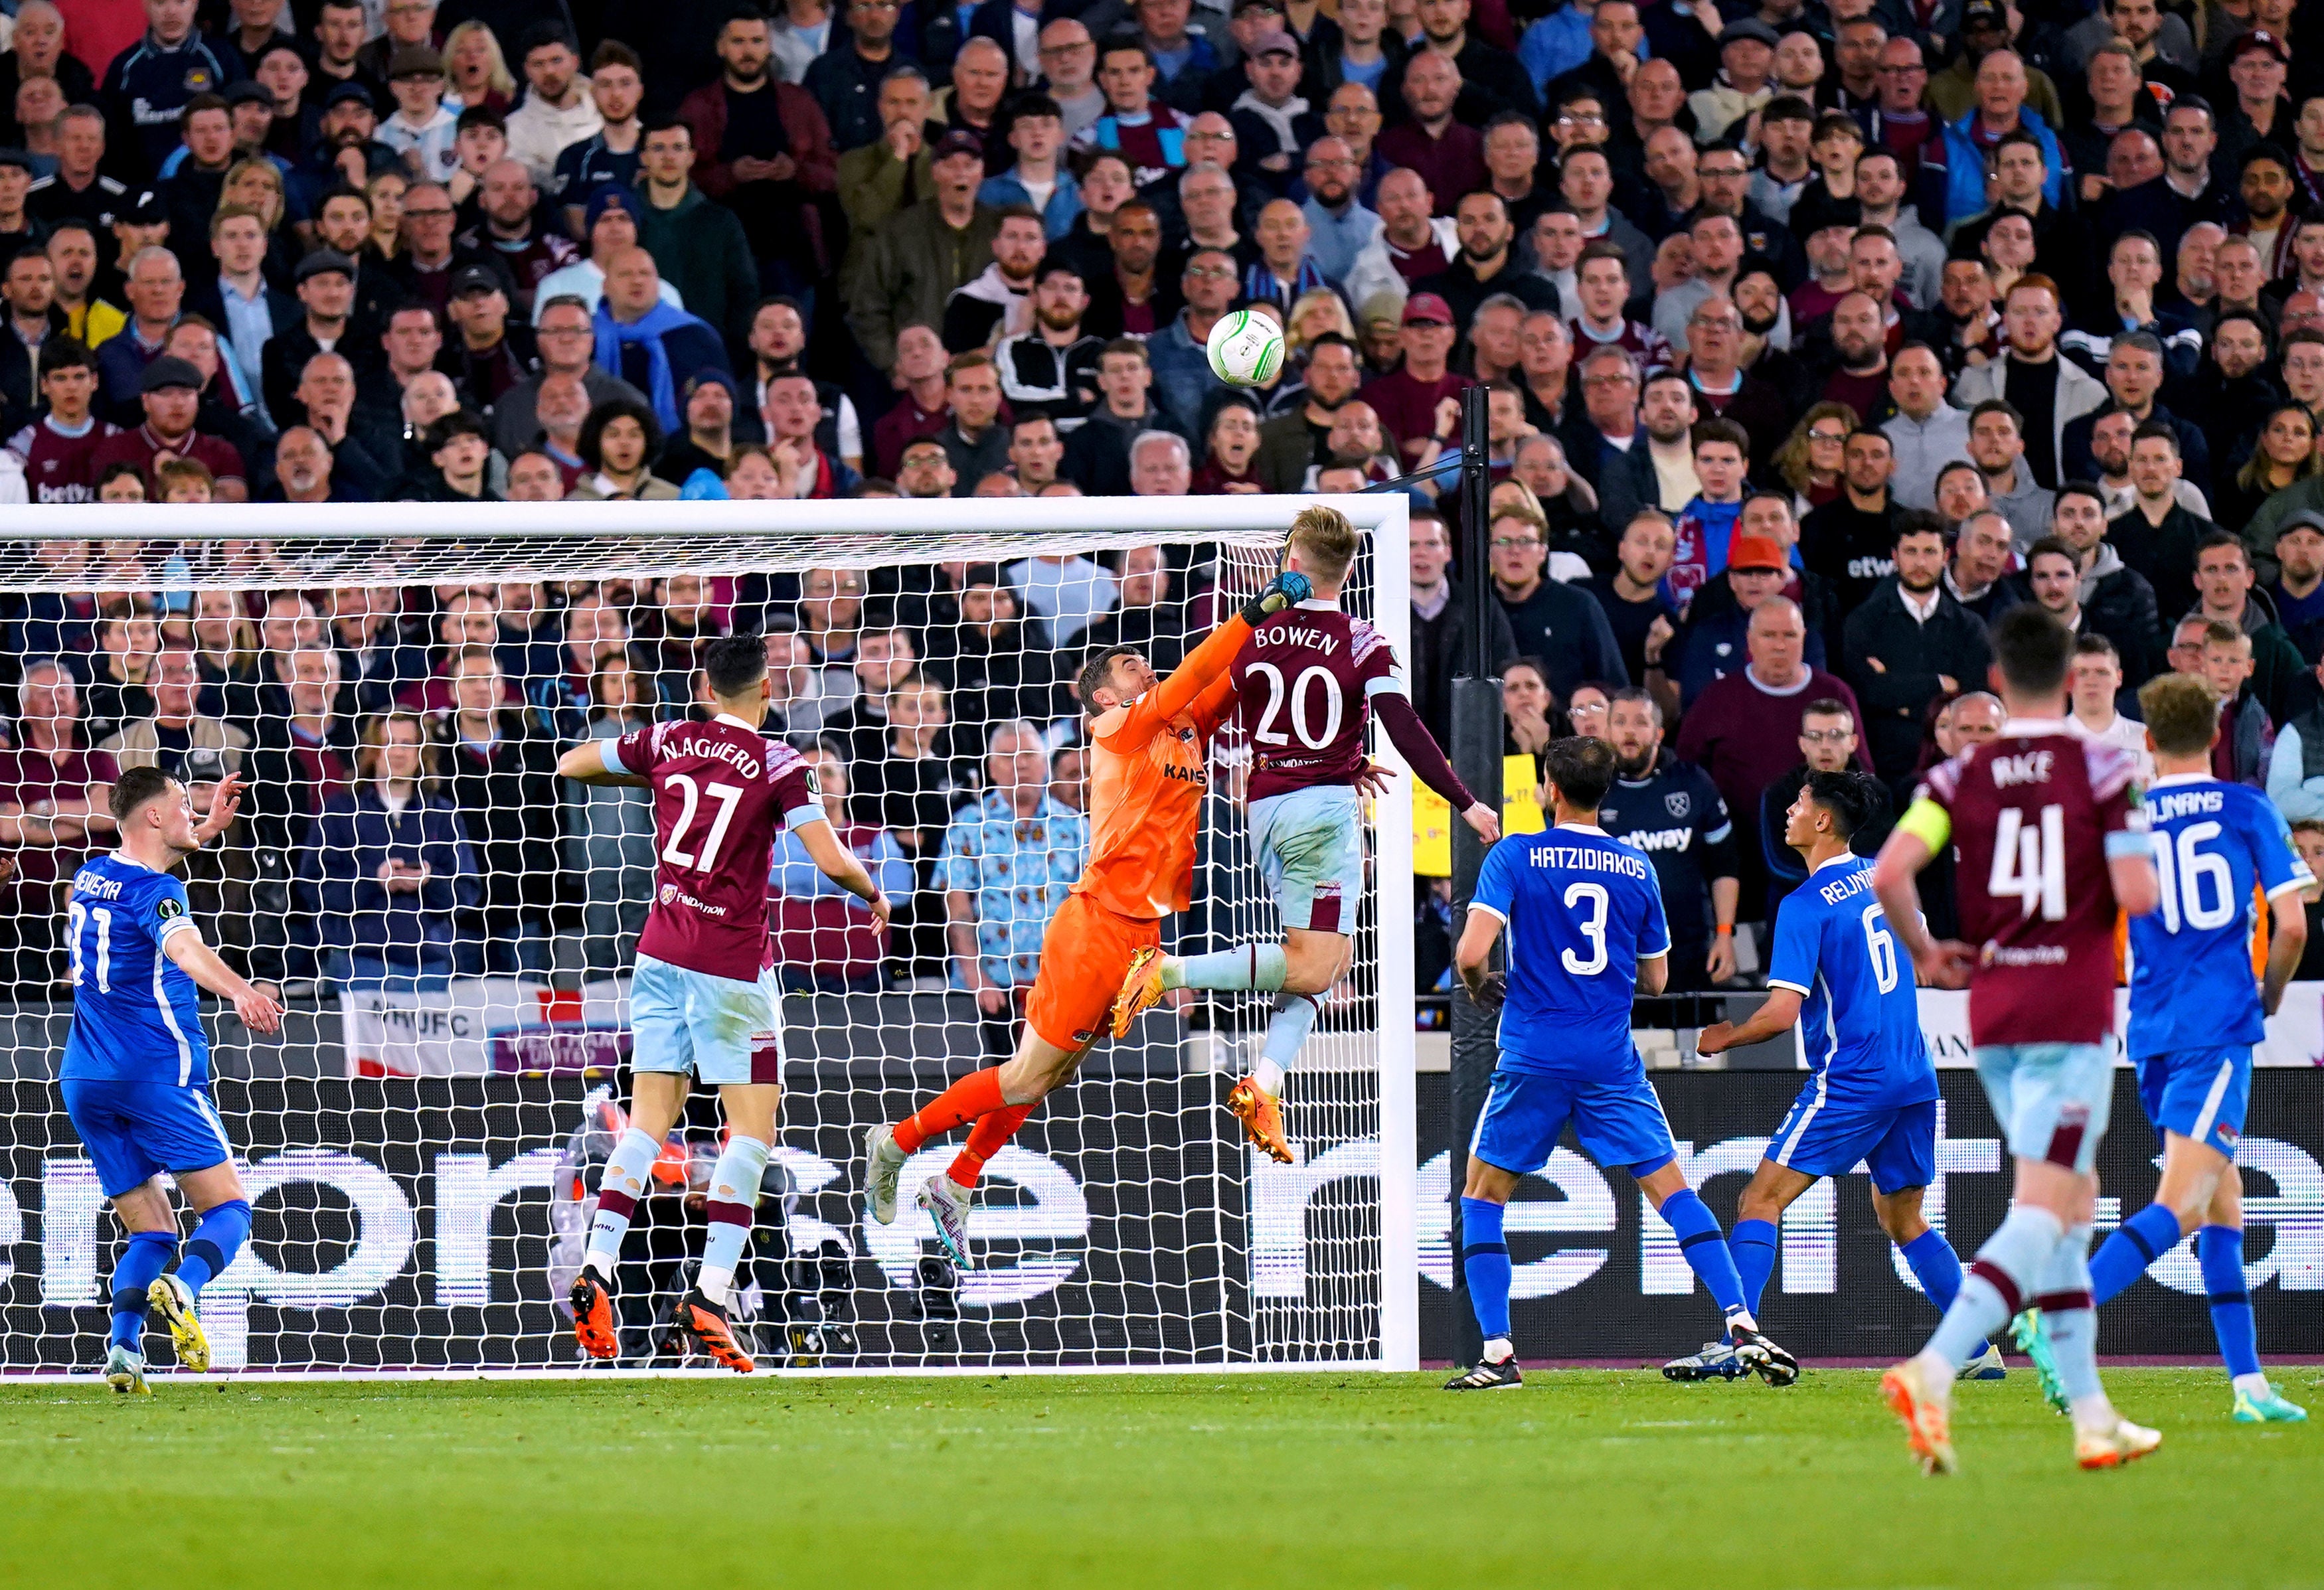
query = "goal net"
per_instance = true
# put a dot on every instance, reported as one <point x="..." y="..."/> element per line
<point x="452" y="928"/>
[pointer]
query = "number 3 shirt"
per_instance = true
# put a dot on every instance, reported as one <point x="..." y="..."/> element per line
<point x="721" y="790"/>
<point x="1582" y="908"/>
<point x="2216" y="845"/>
<point x="1859" y="1016"/>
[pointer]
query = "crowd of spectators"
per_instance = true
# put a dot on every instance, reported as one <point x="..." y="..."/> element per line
<point x="1816" y="332"/>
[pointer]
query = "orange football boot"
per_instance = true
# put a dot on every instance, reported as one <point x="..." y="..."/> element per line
<point x="1261" y="1116"/>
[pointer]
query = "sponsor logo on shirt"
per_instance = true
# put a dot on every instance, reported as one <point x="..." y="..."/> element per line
<point x="1677" y="801"/>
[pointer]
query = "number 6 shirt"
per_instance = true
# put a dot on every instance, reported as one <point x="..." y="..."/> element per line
<point x="721" y="790"/>
<point x="1859" y="1015"/>
<point x="2035" y="816"/>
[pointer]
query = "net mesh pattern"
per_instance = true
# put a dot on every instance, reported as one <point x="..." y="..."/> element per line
<point x="422" y="1143"/>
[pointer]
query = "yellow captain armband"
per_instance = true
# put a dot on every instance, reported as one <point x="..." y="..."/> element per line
<point x="1928" y="823"/>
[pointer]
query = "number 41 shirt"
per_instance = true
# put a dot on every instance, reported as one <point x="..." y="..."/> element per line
<point x="721" y="790"/>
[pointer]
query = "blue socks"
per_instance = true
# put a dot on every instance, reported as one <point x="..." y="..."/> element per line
<point x="1485" y="1263"/>
<point x="2136" y="1243"/>
<point x="1706" y="1250"/>
<point x="1935" y="1266"/>
<point x="1753" y="1245"/>
<point x="2219" y="1249"/>
<point x="731" y="1208"/>
<point x="146" y="1256"/>
<point x="214" y="1244"/>
<point x="1246" y="966"/>
<point x="2001" y="1282"/>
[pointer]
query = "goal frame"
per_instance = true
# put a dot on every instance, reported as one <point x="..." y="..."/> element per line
<point x="710" y="537"/>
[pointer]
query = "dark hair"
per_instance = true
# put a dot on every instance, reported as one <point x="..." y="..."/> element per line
<point x="613" y="52"/>
<point x="1581" y="770"/>
<point x="1999" y="406"/>
<point x="1854" y="799"/>
<point x="65" y="352"/>
<point x="2096" y="645"/>
<point x="2154" y="430"/>
<point x="2034" y="650"/>
<point x="1787" y="108"/>
<point x="1099" y="670"/>
<point x="1720" y="430"/>
<point x="733" y="663"/>
<point x="458" y="423"/>
<point x="479" y="115"/>
<point x="135" y="787"/>
<point x="2080" y="489"/>
<point x="2219" y="538"/>
<point x="2049" y="546"/>
<point x="593" y="430"/>
<point x="1918" y="521"/>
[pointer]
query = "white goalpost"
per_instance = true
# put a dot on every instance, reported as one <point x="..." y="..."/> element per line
<point x="453" y="929"/>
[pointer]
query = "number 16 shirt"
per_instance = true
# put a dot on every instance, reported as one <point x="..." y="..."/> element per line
<point x="720" y="792"/>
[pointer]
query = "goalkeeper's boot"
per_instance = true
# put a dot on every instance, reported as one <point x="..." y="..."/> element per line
<point x="1986" y="1366"/>
<point x="705" y="1323"/>
<point x="884" y="1163"/>
<point x="2111" y="1448"/>
<point x="1717" y="1361"/>
<point x="1927" y="1414"/>
<point x="1760" y="1355"/>
<point x="593" y="1315"/>
<point x="173" y="1300"/>
<point x="124" y="1372"/>
<point x="2031" y="1335"/>
<point x="2267" y="1407"/>
<point x="1261" y="1115"/>
<point x="1490" y="1375"/>
<point x="947" y="1203"/>
<point x="1141" y="989"/>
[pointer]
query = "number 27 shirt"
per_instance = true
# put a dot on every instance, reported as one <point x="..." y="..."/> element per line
<point x="721" y="790"/>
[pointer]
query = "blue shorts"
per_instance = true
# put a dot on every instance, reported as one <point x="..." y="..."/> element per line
<point x="1310" y="848"/>
<point x="135" y="1131"/>
<point x="2052" y="1099"/>
<point x="1617" y="1122"/>
<point x="2200" y="1094"/>
<point x="721" y="1030"/>
<point x="1897" y="1144"/>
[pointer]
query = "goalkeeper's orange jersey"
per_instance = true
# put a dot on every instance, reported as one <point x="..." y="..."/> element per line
<point x="1149" y="769"/>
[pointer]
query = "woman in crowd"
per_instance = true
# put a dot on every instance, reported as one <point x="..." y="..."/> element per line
<point x="609" y="828"/>
<point x="1233" y="446"/>
<point x="1316" y="311"/>
<point x="257" y="185"/>
<point x="385" y="191"/>
<point x="1810" y="457"/>
<point x="618" y="447"/>
<point x="2285" y="456"/>
<point x="500" y="774"/>
<point x="388" y="869"/>
<point x="475" y="71"/>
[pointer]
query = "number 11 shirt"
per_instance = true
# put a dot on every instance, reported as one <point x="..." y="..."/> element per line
<point x="720" y="792"/>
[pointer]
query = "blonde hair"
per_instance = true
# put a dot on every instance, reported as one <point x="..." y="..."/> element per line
<point x="1792" y="459"/>
<point x="1314" y="298"/>
<point x="272" y="176"/>
<point x="1326" y="539"/>
<point x="497" y="75"/>
<point x="2181" y="713"/>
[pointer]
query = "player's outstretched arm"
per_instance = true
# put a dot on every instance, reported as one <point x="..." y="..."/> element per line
<point x="1207" y="663"/>
<point x="2287" y="941"/>
<point x="1418" y="747"/>
<point x="259" y="1013"/>
<point x="585" y="764"/>
<point x="843" y="866"/>
<point x="1770" y="1020"/>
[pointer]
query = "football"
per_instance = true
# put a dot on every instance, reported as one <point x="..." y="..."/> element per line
<point x="1246" y="349"/>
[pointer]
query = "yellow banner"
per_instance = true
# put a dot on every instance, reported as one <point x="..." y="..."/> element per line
<point x="1433" y="817"/>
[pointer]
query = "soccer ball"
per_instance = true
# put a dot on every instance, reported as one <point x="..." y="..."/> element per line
<point x="1246" y="349"/>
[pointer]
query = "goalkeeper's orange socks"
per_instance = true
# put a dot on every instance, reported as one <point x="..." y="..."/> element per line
<point x="975" y="1095"/>
<point x="988" y="1137"/>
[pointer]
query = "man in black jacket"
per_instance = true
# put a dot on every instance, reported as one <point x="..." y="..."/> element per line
<point x="1671" y="811"/>
<point x="1850" y="540"/>
<point x="1908" y="643"/>
<point x="1436" y="637"/>
<point x="1553" y="621"/>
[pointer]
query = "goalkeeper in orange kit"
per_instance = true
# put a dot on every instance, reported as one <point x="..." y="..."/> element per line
<point x="1149" y="771"/>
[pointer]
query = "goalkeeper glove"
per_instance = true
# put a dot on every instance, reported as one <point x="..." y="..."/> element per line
<point x="1287" y="588"/>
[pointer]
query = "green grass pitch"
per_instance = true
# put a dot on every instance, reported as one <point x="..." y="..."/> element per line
<point x="1582" y="1478"/>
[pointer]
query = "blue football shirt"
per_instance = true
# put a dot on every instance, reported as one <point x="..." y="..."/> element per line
<point x="1582" y="908"/>
<point x="1859" y="1016"/>
<point x="2215" y="847"/>
<point x="136" y="1013"/>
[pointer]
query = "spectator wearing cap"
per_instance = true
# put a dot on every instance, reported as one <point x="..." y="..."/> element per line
<point x="2258" y="63"/>
<point x="609" y="157"/>
<point x="149" y="85"/>
<point x="1747" y="61"/>
<point x="1273" y="124"/>
<point x="421" y="130"/>
<point x="18" y="229"/>
<point x="170" y="396"/>
<point x="488" y="353"/>
<point x="655" y="348"/>
<point x="774" y="193"/>
<point x="346" y="147"/>
<point x="325" y="286"/>
<point x="557" y="110"/>
<point x="518" y="232"/>
<point x="459" y="453"/>
<point x="708" y="439"/>
<point x="1038" y="179"/>
<point x="1418" y="402"/>
<point x="2298" y="589"/>
<point x="698" y="244"/>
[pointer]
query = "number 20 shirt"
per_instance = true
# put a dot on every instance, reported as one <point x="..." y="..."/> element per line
<point x="1581" y="909"/>
<point x="720" y="792"/>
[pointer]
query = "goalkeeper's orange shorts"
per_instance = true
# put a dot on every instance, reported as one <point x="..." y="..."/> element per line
<point x="1084" y="956"/>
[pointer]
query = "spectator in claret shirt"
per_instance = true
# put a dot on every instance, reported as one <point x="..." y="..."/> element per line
<point x="52" y="789"/>
<point x="1418" y="401"/>
<point x="500" y="776"/>
<point x="825" y="939"/>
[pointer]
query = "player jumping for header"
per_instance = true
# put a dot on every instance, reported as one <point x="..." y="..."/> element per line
<point x="1873" y="1097"/>
<point x="701" y="1002"/>
<point x="2051" y="839"/>
<point x="2195" y="1012"/>
<point x="1309" y="679"/>
<point x="137" y="1065"/>
<point x="1150" y="751"/>
<point x="1587" y="934"/>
